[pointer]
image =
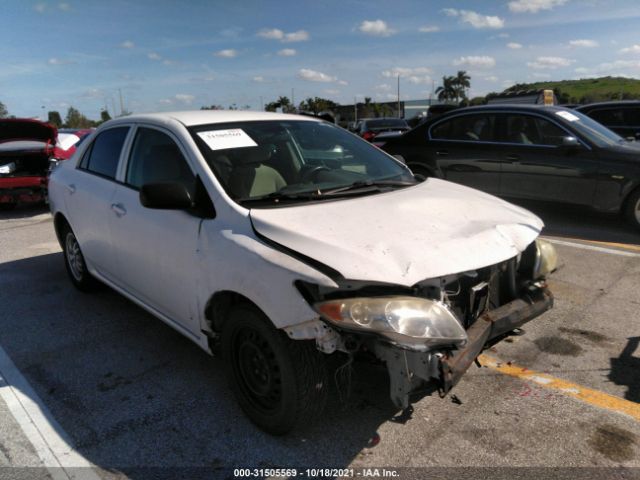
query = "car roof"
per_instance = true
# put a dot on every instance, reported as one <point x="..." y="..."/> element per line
<point x="502" y="107"/>
<point x="203" y="117"/>
<point x="611" y="103"/>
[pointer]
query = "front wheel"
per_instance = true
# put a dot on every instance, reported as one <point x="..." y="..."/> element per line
<point x="278" y="382"/>
<point x="632" y="212"/>
<point x="74" y="262"/>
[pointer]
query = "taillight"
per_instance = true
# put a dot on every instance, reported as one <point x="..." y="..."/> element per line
<point x="368" y="136"/>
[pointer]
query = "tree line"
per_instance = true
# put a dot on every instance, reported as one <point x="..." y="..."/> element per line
<point x="73" y="119"/>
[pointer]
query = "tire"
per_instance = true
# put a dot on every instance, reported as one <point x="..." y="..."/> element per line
<point x="420" y="170"/>
<point x="74" y="262"/>
<point x="278" y="382"/>
<point x="632" y="208"/>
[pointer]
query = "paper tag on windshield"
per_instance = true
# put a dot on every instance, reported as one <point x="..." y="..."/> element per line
<point x="222" y="139"/>
<point x="568" y="116"/>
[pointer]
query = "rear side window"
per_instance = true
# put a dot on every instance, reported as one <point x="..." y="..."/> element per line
<point x="608" y="116"/>
<point x="472" y="128"/>
<point x="103" y="157"/>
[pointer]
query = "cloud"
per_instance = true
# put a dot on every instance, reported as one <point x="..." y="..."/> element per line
<point x="491" y="78"/>
<point x="127" y="44"/>
<point x="299" y="36"/>
<point x="483" y="61"/>
<point x="185" y="98"/>
<point x="475" y="19"/>
<point x="534" y="6"/>
<point x="59" y="61"/>
<point x="514" y="45"/>
<point x="631" y="49"/>
<point x="227" y="53"/>
<point x="277" y="34"/>
<point x="541" y="75"/>
<point x="429" y="29"/>
<point x="417" y="76"/>
<point x="584" y="43"/>
<point x="287" y="52"/>
<point x="315" y="76"/>
<point x="343" y="82"/>
<point x="331" y="91"/>
<point x="377" y="28"/>
<point x="550" y="63"/>
<point x="618" y="64"/>
<point x="40" y="7"/>
<point x="153" y="56"/>
<point x="64" y="6"/>
<point x="503" y="35"/>
<point x="383" y="87"/>
<point x="581" y="70"/>
<point x="258" y="79"/>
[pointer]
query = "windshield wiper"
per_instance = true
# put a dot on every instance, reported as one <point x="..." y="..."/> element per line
<point x="367" y="186"/>
<point x="278" y="196"/>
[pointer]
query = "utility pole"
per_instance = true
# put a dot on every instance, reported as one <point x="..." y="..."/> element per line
<point x="121" y="106"/>
<point x="399" y="115"/>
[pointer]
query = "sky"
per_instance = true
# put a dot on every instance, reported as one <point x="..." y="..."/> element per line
<point x="180" y="55"/>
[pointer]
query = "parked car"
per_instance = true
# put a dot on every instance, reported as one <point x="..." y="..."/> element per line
<point x="280" y="240"/>
<point x="370" y="128"/>
<point x="25" y="149"/>
<point x="622" y="117"/>
<point x="528" y="152"/>
<point x="68" y="140"/>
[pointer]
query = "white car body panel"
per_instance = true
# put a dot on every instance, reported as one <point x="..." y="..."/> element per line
<point x="400" y="237"/>
<point x="426" y="231"/>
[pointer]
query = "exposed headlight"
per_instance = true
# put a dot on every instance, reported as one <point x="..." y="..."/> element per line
<point x="429" y="321"/>
<point x="8" y="168"/>
<point x="546" y="259"/>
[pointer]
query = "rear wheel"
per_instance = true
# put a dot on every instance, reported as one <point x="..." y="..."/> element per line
<point x="278" y="382"/>
<point x="632" y="211"/>
<point x="74" y="262"/>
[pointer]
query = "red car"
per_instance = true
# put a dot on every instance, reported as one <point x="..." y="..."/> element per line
<point x="26" y="147"/>
<point x="68" y="140"/>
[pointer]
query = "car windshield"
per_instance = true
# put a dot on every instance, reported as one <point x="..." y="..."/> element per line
<point x="592" y="130"/>
<point x="260" y="163"/>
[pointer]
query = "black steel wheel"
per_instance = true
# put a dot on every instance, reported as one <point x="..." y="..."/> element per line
<point x="277" y="381"/>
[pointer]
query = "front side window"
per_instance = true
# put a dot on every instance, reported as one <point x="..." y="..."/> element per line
<point x="299" y="160"/>
<point x="104" y="153"/>
<point x="156" y="158"/>
<point x="474" y="128"/>
<point x="533" y="130"/>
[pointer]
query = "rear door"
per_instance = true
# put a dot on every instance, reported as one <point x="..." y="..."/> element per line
<point x="538" y="167"/>
<point x="464" y="150"/>
<point x="88" y="196"/>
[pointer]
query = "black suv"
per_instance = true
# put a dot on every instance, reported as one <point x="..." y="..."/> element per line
<point x="528" y="152"/>
<point x="622" y="117"/>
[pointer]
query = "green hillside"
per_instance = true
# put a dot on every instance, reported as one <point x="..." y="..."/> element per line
<point x="588" y="90"/>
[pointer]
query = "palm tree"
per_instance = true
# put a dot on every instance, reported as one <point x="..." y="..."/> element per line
<point x="462" y="82"/>
<point x="447" y="91"/>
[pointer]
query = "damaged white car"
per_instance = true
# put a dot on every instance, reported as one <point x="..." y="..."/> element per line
<point x="281" y="240"/>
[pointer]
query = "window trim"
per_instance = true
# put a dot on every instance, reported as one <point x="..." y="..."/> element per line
<point x="506" y="112"/>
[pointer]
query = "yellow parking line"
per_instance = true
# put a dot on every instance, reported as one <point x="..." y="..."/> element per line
<point x="587" y="395"/>
<point x="627" y="246"/>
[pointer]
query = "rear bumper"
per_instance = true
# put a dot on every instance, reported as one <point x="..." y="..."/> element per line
<point x="23" y="189"/>
<point x="410" y="371"/>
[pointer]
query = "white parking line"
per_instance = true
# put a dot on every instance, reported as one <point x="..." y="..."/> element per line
<point x="594" y="248"/>
<point x="50" y="442"/>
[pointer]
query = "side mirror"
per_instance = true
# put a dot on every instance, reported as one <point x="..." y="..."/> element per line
<point x="166" y="196"/>
<point x="570" y="142"/>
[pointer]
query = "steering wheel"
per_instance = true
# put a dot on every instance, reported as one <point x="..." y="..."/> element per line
<point x="310" y="174"/>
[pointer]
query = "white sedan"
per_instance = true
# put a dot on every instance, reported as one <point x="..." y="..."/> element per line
<point x="281" y="240"/>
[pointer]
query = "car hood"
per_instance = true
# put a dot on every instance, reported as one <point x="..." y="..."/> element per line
<point x="15" y="129"/>
<point x="433" y="229"/>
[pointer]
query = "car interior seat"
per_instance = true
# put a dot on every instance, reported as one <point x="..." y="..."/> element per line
<point x="251" y="176"/>
<point x="517" y="131"/>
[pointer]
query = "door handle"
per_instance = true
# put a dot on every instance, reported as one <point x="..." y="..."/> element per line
<point x="71" y="188"/>
<point x="119" y="209"/>
<point x="442" y="153"/>
<point x="513" y="158"/>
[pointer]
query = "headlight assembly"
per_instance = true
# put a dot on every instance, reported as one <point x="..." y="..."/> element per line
<point x="546" y="259"/>
<point x="428" y="321"/>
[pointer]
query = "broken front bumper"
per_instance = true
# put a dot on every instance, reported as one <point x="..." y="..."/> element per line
<point x="409" y="370"/>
